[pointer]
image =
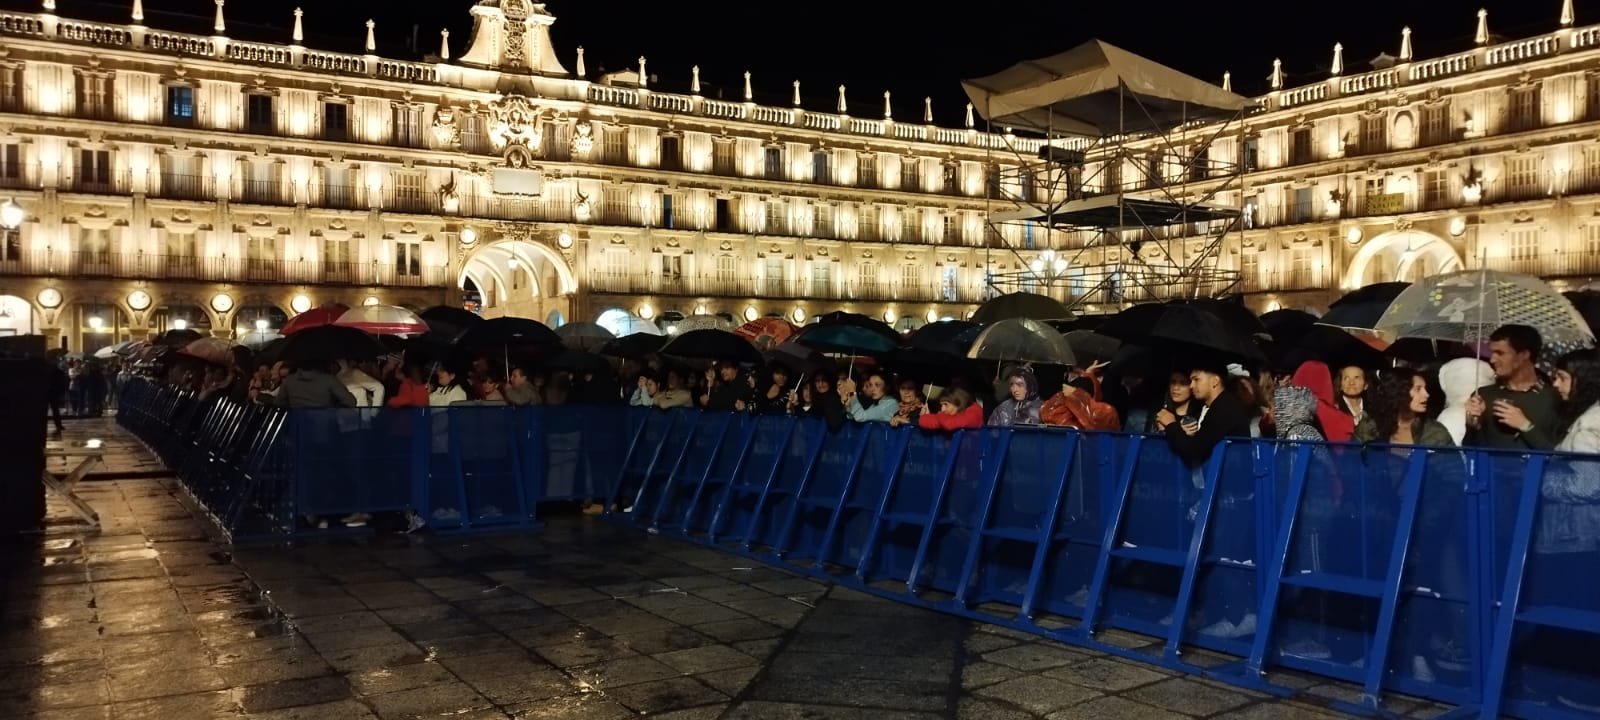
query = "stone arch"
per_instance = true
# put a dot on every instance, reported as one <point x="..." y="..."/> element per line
<point x="17" y="316"/>
<point x="1401" y="255"/>
<point x="550" y="281"/>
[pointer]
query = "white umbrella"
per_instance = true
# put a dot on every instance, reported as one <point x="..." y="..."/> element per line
<point x="585" y="336"/>
<point x="1022" y="340"/>
<point x="626" y="325"/>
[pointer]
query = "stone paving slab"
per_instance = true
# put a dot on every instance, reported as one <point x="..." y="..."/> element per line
<point x="150" y="619"/>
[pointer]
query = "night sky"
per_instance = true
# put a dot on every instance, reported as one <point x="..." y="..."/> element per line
<point x="913" y="49"/>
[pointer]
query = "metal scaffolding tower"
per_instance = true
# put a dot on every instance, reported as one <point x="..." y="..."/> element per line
<point x="1137" y="189"/>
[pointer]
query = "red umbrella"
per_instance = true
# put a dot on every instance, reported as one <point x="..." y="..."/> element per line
<point x="766" y="333"/>
<point x="383" y="320"/>
<point x="315" y="317"/>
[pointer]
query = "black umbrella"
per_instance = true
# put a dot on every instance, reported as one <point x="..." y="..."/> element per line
<point x="1361" y="309"/>
<point x="798" y="359"/>
<point x="270" y="353"/>
<point x="1587" y="303"/>
<point x="177" y="338"/>
<point x="509" y="331"/>
<point x="1327" y="344"/>
<point x="1193" y="328"/>
<point x="942" y="337"/>
<point x="849" y="333"/>
<point x="578" y="361"/>
<point x="1134" y="323"/>
<point x="325" y="343"/>
<point x="711" y="344"/>
<point x="1233" y="313"/>
<point x="1288" y="326"/>
<point x="636" y="345"/>
<point x="1021" y="305"/>
<point x="449" y="321"/>
<point x="1091" y="347"/>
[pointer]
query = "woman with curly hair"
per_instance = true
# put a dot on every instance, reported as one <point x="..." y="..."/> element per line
<point x="1397" y="412"/>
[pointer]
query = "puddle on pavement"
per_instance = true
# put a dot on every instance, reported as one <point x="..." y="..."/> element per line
<point x="124" y="555"/>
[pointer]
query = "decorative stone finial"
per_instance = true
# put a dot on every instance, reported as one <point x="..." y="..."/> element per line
<point x="842" y="107"/>
<point x="372" y="43"/>
<point x="217" y="24"/>
<point x="299" y="28"/>
<point x="444" y="44"/>
<point x="1338" y="59"/>
<point x="888" y="111"/>
<point x="644" y="79"/>
<point x="797" y="93"/>
<point x="748" y="96"/>
<point x="1481" y="37"/>
<point x="138" y="11"/>
<point x="927" y="110"/>
<point x="581" y="71"/>
<point x="1405" y="44"/>
<point x="1567" y="16"/>
<point x="694" y="80"/>
<point x="50" y="5"/>
<point x="1276" y="79"/>
<point x="970" y="123"/>
<point x="1227" y="81"/>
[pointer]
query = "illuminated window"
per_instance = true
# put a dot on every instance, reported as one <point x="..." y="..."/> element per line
<point x="335" y="121"/>
<point x="180" y="105"/>
<point x="259" y="115"/>
<point x="911" y="174"/>
<point x="1374" y="138"/>
<point x="1436" y="123"/>
<point x="1523" y="111"/>
<point x="866" y="171"/>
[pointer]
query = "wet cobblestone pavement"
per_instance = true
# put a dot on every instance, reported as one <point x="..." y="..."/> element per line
<point x="150" y="619"/>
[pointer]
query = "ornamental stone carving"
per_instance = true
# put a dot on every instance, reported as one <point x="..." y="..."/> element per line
<point x="446" y="128"/>
<point x="517" y="122"/>
<point x="582" y="138"/>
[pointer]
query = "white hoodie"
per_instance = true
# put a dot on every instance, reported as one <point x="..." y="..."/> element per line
<point x="1460" y="378"/>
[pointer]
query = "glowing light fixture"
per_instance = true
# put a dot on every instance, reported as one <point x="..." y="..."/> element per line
<point x="12" y="214"/>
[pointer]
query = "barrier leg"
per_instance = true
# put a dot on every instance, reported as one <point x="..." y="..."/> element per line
<point x="814" y="442"/>
<point x="1047" y="527"/>
<point x="721" y="435"/>
<point x="831" y="536"/>
<point x="747" y="436"/>
<point x="1113" y="528"/>
<point x="991" y="482"/>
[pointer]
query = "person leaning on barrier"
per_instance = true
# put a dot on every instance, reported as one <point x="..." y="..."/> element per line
<point x="1222" y="415"/>
<point x="1517" y="412"/>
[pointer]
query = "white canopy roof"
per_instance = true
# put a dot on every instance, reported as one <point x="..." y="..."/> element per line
<point x="1097" y="90"/>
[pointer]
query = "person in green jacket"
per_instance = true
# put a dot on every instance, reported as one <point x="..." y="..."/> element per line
<point x="1519" y="411"/>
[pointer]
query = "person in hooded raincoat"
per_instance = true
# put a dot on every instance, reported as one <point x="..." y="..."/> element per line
<point x="1021" y="406"/>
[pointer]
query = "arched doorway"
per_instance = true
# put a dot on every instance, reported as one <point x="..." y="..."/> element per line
<point x="179" y="316"/>
<point x="1401" y="256"/>
<point x="95" y="324"/>
<point x="258" y="321"/>
<point x="16" y="316"/>
<point x="555" y="319"/>
<point x="520" y="278"/>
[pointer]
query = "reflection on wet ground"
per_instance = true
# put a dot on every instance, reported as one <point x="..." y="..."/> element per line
<point x="149" y="619"/>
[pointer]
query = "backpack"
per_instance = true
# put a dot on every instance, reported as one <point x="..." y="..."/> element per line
<point x="1072" y="407"/>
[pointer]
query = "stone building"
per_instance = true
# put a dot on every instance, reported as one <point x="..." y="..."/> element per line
<point x="162" y="178"/>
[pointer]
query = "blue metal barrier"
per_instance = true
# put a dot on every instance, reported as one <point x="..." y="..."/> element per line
<point x="1463" y="576"/>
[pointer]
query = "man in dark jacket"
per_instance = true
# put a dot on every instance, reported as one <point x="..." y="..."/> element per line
<point x="1222" y="415"/>
<point x="1519" y="411"/>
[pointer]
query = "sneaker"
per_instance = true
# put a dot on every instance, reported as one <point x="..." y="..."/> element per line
<point x="1308" y="649"/>
<point x="446" y="514"/>
<point x="1221" y="629"/>
<point x="1420" y="670"/>
<point x="414" y="522"/>
<point x="1450" y="656"/>
<point x="1246" y="626"/>
<point x="489" y="511"/>
<point x="355" y="519"/>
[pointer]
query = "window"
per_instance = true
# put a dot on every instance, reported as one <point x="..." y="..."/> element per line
<point x="338" y="187"/>
<point x="1436" y="123"/>
<point x="1524" y="243"/>
<point x="1591" y="240"/>
<point x="1300" y="146"/>
<point x="1435" y="189"/>
<point x="949" y="285"/>
<point x="1250" y="269"/>
<point x="772" y="162"/>
<point x="11" y="88"/>
<point x="335" y="121"/>
<point x="722" y="157"/>
<point x="1251" y="212"/>
<point x="819" y="168"/>
<point x="1300" y="207"/>
<point x="408" y="126"/>
<point x="1374" y="139"/>
<point x="180" y="105"/>
<point x="1592" y="101"/>
<point x="777" y="217"/>
<point x="259" y="182"/>
<point x="1152" y="170"/>
<point x="1302" y="274"/>
<point x="671" y="156"/>
<point x="823" y="226"/>
<point x="474" y="140"/>
<point x="952" y="229"/>
<point x="951" y="182"/>
<point x="773" y="274"/>
<point x="10" y="245"/>
<point x="94" y="248"/>
<point x="616" y="262"/>
<point x="94" y="171"/>
<point x="867" y="278"/>
<point x="1111" y="174"/>
<point x="727" y="271"/>
<point x="614" y="205"/>
<point x="867" y="227"/>
<point x="11" y="165"/>
<point x="1200" y="163"/>
<point x="910" y="279"/>
<point x="821" y="278"/>
<point x="408" y="258"/>
<point x="94" y="101"/>
<point x="258" y="114"/>
<point x="1522" y="177"/>
<point x="666" y="210"/>
<point x="336" y="259"/>
<point x="181" y="178"/>
<point x="911" y="174"/>
<point x="1523" y="113"/>
<point x="724" y="215"/>
<point x="991" y="182"/>
<point x="409" y="195"/>
<point x="615" y="149"/>
<point x="671" y="269"/>
<point x="1250" y="154"/>
<point x="866" y="171"/>
<point x="260" y="256"/>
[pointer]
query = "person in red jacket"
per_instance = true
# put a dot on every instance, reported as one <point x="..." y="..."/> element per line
<point x="956" y="411"/>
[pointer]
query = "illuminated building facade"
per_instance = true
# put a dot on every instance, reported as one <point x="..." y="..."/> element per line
<point x="167" y="177"/>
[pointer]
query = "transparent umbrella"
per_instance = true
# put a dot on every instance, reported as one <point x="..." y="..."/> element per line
<point x="1468" y="306"/>
<point x="585" y="336"/>
<point x="1022" y="340"/>
<point x="703" y="322"/>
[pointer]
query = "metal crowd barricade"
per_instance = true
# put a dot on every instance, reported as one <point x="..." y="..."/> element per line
<point x="1463" y="576"/>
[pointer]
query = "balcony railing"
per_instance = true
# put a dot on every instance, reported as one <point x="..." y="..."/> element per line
<point x="152" y="266"/>
<point x="602" y="282"/>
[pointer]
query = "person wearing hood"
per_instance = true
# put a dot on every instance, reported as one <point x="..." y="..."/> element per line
<point x="1313" y="375"/>
<point x="1021" y="406"/>
<point x="1295" y="413"/>
<point x="1459" y="379"/>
